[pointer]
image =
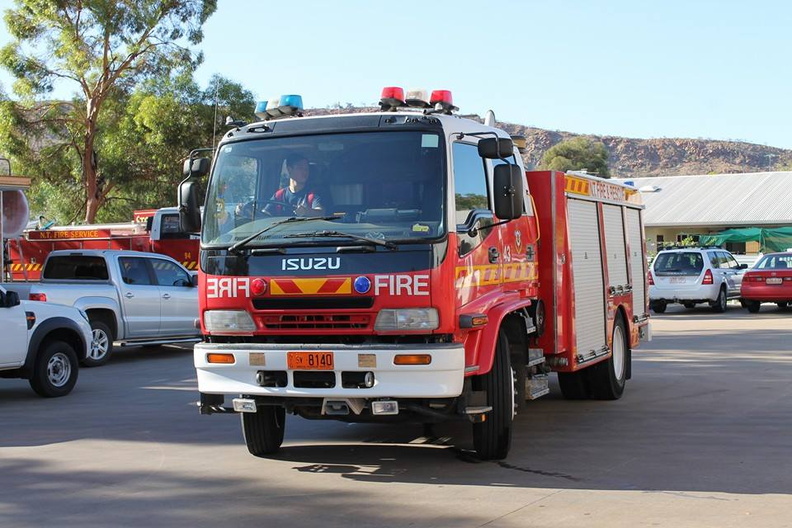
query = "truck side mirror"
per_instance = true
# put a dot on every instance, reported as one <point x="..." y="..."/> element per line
<point x="196" y="167"/>
<point x="9" y="299"/>
<point x="189" y="206"/>
<point x="508" y="190"/>
<point x="495" y="148"/>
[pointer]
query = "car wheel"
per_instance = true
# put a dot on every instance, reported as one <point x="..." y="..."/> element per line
<point x="607" y="379"/>
<point x="658" y="306"/>
<point x="782" y="304"/>
<point x="101" y="345"/>
<point x="55" y="370"/>
<point x="753" y="306"/>
<point x="719" y="306"/>
<point x="492" y="437"/>
<point x="263" y="430"/>
<point x="689" y="305"/>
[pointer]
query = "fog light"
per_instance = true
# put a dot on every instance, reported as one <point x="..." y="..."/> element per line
<point x="384" y="407"/>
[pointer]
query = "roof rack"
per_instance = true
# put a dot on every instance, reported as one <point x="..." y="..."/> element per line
<point x="668" y="247"/>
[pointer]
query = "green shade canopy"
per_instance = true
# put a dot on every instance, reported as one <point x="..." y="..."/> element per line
<point x="770" y="239"/>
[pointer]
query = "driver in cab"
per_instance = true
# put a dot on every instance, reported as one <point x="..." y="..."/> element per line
<point x="298" y="197"/>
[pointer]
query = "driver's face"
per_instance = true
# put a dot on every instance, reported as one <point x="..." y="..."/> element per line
<point x="299" y="171"/>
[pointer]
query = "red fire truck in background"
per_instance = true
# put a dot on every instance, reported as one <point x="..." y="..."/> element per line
<point x="412" y="271"/>
<point x="152" y="230"/>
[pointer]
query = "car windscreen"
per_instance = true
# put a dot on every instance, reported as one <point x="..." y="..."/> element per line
<point x="75" y="267"/>
<point x="678" y="263"/>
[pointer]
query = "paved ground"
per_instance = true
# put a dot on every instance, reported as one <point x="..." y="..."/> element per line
<point x="702" y="437"/>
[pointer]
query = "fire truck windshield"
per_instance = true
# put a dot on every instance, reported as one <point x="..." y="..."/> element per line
<point x="381" y="185"/>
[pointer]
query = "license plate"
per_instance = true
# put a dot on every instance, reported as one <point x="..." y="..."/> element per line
<point x="678" y="280"/>
<point x="774" y="280"/>
<point x="309" y="360"/>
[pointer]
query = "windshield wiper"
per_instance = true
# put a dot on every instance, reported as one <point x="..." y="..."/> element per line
<point x="234" y="248"/>
<point x="338" y="234"/>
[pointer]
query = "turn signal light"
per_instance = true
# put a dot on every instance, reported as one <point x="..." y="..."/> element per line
<point x="38" y="297"/>
<point x="227" y="359"/>
<point x="412" y="359"/>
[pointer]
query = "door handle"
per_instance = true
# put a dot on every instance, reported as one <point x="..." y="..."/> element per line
<point x="494" y="254"/>
<point x="129" y="295"/>
<point x="166" y="295"/>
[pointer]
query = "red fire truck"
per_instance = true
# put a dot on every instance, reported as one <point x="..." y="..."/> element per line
<point x="153" y="230"/>
<point x="402" y="265"/>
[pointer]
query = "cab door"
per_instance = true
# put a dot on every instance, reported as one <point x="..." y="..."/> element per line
<point x="15" y="333"/>
<point x="140" y="298"/>
<point x="178" y="298"/>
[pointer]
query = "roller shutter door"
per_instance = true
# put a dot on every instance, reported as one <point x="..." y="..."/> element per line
<point x="614" y="245"/>
<point x="589" y="306"/>
<point x="637" y="260"/>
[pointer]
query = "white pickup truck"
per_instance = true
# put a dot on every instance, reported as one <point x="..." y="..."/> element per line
<point x="43" y="343"/>
<point x="131" y="297"/>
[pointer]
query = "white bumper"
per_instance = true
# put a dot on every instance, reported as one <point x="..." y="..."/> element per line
<point x="442" y="378"/>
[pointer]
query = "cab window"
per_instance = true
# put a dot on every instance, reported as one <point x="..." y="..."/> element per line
<point x="471" y="198"/>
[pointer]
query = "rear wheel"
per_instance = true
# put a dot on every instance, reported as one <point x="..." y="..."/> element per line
<point x="753" y="306"/>
<point x="492" y="437"/>
<point x="263" y="430"/>
<point x="658" y="306"/>
<point x="55" y="370"/>
<point x="607" y="378"/>
<point x="719" y="305"/>
<point x="689" y="305"/>
<point x="101" y="345"/>
<point x="782" y="304"/>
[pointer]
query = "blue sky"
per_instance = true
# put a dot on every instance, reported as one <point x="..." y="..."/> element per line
<point x="698" y="69"/>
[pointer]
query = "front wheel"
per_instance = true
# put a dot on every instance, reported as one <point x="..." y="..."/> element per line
<point x="492" y="437"/>
<point x="101" y="345"/>
<point x="607" y="378"/>
<point x="55" y="370"/>
<point x="263" y="430"/>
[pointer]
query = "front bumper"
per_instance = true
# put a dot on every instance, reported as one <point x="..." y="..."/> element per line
<point x="442" y="378"/>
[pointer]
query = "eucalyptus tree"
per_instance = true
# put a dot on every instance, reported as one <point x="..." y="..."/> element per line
<point x="101" y="48"/>
<point x="578" y="153"/>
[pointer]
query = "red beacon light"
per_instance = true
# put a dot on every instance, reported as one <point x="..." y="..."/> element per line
<point x="392" y="97"/>
<point x="443" y="101"/>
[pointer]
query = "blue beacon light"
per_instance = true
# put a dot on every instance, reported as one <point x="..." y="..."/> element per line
<point x="362" y="284"/>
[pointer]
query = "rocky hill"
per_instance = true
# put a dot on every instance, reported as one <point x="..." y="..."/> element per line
<point x="635" y="158"/>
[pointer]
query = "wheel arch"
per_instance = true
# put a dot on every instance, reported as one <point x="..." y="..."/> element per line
<point x="56" y="328"/>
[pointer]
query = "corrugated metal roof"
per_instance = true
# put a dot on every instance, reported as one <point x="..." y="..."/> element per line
<point x="745" y="199"/>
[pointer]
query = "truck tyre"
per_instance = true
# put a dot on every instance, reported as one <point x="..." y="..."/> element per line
<point x="101" y="345"/>
<point x="753" y="306"/>
<point x="719" y="305"/>
<point x="607" y="378"/>
<point x="573" y="385"/>
<point x="55" y="370"/>
<point x="263" y="430"/>
<point x="492" y="437"/>
<point x="658" y="306"/>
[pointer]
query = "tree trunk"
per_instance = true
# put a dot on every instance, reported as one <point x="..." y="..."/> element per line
<point x="93" y="194"/>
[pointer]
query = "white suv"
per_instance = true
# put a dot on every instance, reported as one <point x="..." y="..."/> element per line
<point x="694" y="275"/>
<point x="43" y="343"/>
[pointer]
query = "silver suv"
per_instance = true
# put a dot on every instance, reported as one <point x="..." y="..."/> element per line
<point x="694" y="275"/>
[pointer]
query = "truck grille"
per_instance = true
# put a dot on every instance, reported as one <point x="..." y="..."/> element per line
<point x="316" y="321"/>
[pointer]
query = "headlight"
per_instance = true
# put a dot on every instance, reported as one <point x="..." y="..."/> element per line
<point x="407" y="319"/>
<point x="229" y="322"/>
